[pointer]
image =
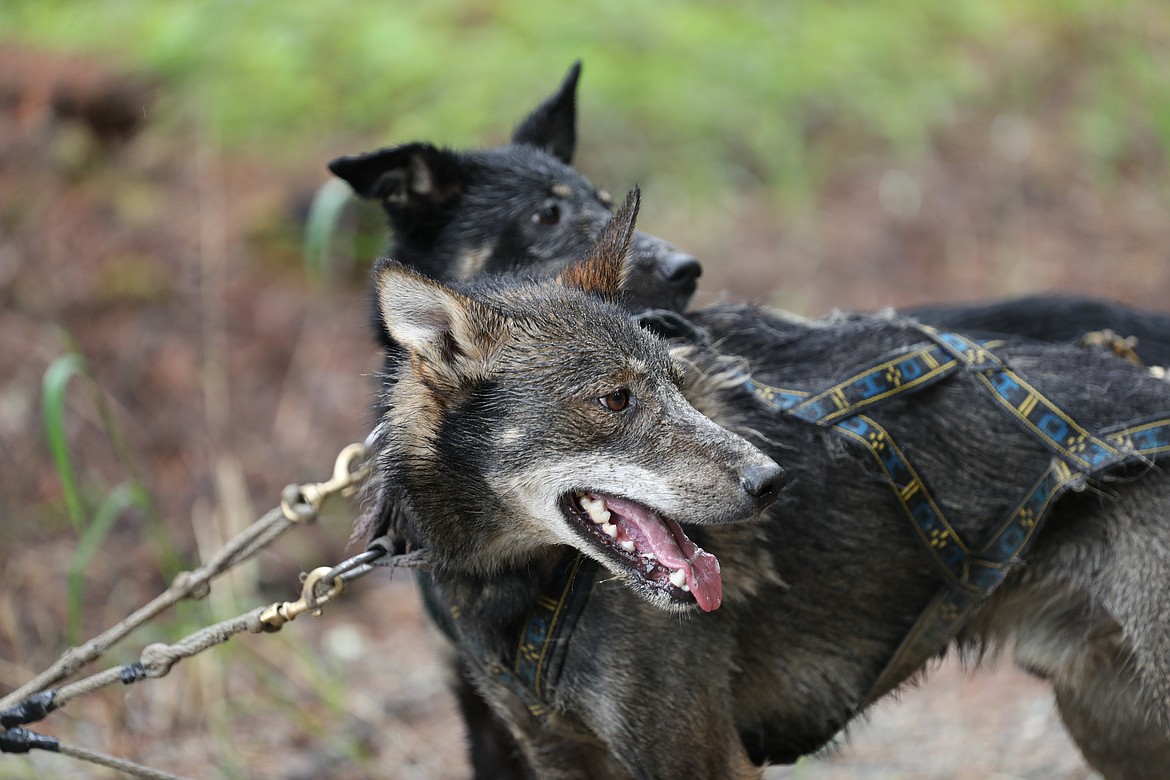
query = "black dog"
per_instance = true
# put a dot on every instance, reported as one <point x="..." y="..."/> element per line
<point x="519" y="209"/>
<point x="522" y="208"/>
<point x="598" y="554"/>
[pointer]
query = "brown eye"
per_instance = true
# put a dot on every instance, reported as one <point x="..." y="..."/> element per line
<point x="549" y="215"/>
<point x="616" y="400"/>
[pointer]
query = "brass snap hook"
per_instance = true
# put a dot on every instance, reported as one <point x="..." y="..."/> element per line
<point x="277" y="615"/>
<point x="350" y="468"/>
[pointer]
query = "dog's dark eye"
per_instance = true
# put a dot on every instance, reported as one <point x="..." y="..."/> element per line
<point x="549" y="215"/>
<point x="616" y="400"/>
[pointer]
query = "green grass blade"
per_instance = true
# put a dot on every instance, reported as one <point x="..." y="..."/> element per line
<point x="167" y="556"/>
<point x="116" y="502"/>
<point x="324" y="214"/>
<point x="54" y="385"/>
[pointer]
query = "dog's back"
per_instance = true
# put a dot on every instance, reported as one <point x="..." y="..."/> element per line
<point x="1089" y="610"/>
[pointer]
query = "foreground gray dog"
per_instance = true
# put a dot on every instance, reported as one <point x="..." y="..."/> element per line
<point x="600" y="556"/>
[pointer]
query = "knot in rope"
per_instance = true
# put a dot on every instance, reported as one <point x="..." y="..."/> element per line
<point x="158" y="658"/>
<point x="254" y="623"/>
<point x="189" y="584"/>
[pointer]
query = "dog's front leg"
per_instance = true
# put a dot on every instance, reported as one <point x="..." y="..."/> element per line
<point x="493" y="751"/>
<point x="654" y="689"/>
<point x="696" y="742"/>
<point x="663" y="754"/>
<point x="615" y="723"/>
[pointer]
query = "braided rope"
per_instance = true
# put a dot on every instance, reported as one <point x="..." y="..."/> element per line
<point x="186" y="585"/>
<point x="300" y="505"/>
<point x="113" y="762"/>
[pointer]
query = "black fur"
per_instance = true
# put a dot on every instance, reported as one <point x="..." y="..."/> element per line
<point x="1056" y="317"/>
<point x="854" y="579"/>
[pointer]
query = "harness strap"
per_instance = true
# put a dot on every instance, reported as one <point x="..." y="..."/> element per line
<point x="905" y="372"/>
<point x="533" y="669"/>
<point x="971" y="572"/>
<point x="1027" y="405"/>
<point x="951" y="607"/>
<point x="939" y="538"/>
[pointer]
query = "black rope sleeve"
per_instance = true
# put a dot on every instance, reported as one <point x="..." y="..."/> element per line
<point x="18" y="740"/>
<point x="30" y="710"/>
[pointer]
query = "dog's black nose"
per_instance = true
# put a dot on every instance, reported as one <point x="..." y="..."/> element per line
<point x="763" y="483"/>
<point x="680" y="268"/>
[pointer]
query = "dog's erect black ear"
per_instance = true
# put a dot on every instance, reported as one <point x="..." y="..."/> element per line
<point x="605" y="269"/>
<point x="400" y="176"/>
<point x="553" y="125"/>
<point x="447" y="331"/>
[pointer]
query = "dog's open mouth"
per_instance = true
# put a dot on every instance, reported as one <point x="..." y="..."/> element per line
<point x="652" y="548"/>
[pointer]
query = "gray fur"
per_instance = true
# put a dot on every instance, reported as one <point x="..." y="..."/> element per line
<point x="821" y="590"/>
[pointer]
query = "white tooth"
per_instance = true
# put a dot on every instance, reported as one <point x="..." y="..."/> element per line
<point x="595" y="508"/>
<point x="686" y="588"/>
<point x="627" y="545"/>
<point x="610" y="529"/>
<point x="678" y="578"/>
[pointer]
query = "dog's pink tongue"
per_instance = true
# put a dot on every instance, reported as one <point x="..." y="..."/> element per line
<point x="665" y="540"/>
<point x="703" y="578"/>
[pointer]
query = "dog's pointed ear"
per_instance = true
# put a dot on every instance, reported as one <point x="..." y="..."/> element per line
<point x="605" y="269"/>
<point x="447" y="332"/>
<point x="410" y="176"/>
<point x="553" y="125"/>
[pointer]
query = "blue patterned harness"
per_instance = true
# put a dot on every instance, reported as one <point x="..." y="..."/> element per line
<point x="533" y="668"/>
<point x="971" y="571"/>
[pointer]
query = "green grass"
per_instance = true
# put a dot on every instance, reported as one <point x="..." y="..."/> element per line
<point x="324" y="213"/>
<point x="56" y="381"/>
<point x="705" y="95"/>
<point x="93" y="518"/>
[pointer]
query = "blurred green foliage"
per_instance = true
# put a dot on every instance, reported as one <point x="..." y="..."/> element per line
<point x="753" y="94"/>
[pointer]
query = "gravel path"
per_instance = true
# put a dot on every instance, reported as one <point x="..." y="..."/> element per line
<point x="959" y="725"/>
